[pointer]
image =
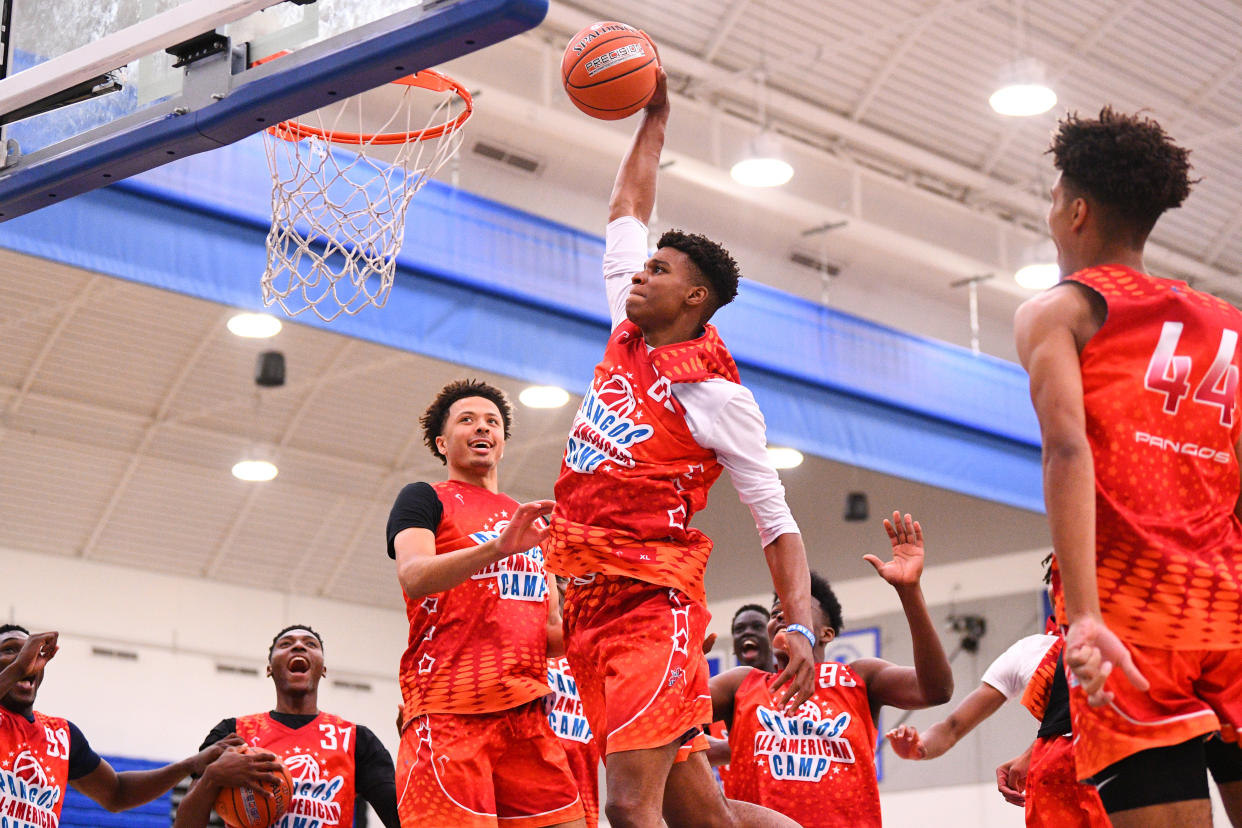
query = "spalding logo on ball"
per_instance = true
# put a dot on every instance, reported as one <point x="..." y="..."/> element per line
<point x="610" y="70"/>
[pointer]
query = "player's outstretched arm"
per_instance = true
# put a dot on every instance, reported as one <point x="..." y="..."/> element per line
<point x="1050" y="331"/>
<point x="791" y="576"/>
<point x="930" y="681"/>
<point x="634" y="191"/>
<point x="129" y="789"/>
<point x="229" y="769"/>
<point x="936" y="740"/>
<point x="422" y="572"/>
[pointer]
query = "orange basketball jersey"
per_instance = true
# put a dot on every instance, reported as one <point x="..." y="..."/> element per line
<point x="320" y="759"/>
<point x="1160" y="388"/>
<point x="34" y="769"/>
<point x="816" y="767"/>
<point x="481" y="646"/>
<point x="632" y="475"/>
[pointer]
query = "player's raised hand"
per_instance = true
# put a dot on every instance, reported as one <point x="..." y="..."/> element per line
<point x="906" y="567"/>
<point x="906" y="742"/>
<point x="798" y="677"/>
<point x="238" y="766"/>
<point x="526" y="528"/>
<point x="37" y="650"/>
<point x="1092" y="651"/>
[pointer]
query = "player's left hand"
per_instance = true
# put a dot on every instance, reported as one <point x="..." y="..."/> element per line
<point x="906" y="567"/>
<point x="209" y="754"/>
<point x="1092" y="650"/>
<point x="1011" y="779"/>
<point x="798" y="677"/>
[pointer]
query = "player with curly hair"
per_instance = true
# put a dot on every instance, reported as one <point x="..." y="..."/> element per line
<point x="665" y="414"/>
<point x="1135" y="382"/>
<point x="476" y="748"/>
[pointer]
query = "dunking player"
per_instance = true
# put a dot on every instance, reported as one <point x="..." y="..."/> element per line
<point x="331" y="761"/>
<point x="476" y="748"/>
<point x="1135" y="382"/>
<point x="664" y="414"/>
<point x="816" y="764"/>
<point x="1030" y="670"/>
<point x="40" y="754"/>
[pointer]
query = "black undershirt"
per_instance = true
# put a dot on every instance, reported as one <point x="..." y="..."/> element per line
<point x="416" y="507"/>
<point x="1056" y="721"/>
<point x="375" y="777"/>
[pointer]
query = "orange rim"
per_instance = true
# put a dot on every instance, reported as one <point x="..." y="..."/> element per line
<point x="429" y="79"/>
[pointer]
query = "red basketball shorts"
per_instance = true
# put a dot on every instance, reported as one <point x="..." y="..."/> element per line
<point x="1054" y="796"/>
<point x="1193" y="692"/>
<point x="636" y="651"/>
<point x="484" y="769"/>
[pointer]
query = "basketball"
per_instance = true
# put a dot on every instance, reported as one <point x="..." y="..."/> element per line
<point x="610" y="70"/>
<point x="249" y="808"/>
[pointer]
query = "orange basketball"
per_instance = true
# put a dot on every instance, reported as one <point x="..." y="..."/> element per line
<point x="610" y="70"/>
<point x="249" y="808"/>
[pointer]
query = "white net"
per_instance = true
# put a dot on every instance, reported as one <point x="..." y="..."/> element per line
<point x="338" y="215"/>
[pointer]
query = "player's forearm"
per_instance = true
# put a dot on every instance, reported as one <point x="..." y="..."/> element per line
<point x="134" y="788"/>
<point x="195" y="809"/>
<point x="634" y="191"/>
<point x="423" y="575"/>
<point x="931" y="665"/>
<point x="791" y="577"/>
<point x="938" y="739"/>
<point x="1069" y="493"/>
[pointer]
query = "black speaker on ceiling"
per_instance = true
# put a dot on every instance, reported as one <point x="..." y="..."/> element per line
<point x="269" y="371"/>
<point x="856" y="507"/>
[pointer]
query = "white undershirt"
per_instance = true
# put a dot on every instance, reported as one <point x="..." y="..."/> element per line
<point x="722" y="415"/>
<point x="1012" y="669"/>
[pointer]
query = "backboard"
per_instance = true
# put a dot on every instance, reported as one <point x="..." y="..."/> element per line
<point x="95" y="93"/>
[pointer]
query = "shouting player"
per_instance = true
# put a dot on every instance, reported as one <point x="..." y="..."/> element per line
<point x="40" y="754"/>
<point x="816" y="764"/>
<point x="664" y="415"/>
<point x="751" y="645"/>
<point x="1135" y="382"/>
<point x="476" y="749"/>
<point x="330" y="760"/>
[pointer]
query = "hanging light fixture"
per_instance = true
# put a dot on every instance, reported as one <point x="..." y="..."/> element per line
<point x="254" y="467"/>
<point x="1037" y="267"/>
<point x="543" y="396"/>
<point x="784" y="458"/>
<point x="764" y="164"/>
<point x="255" y="471"/>
<point x="254" y="325"/>
<point x="1023" y="91"/>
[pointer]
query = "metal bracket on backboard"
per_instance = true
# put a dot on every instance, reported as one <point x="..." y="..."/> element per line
<point x="10" y="152"/>
<point x="197" y="48"/>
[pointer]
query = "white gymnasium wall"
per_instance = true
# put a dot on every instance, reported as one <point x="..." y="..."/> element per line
<point x="161" y="704"/>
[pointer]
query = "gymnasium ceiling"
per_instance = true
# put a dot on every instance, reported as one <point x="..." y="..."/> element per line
<point x="123" y="407"/>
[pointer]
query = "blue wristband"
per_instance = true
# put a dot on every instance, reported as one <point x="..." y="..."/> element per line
<point x="798" y="628"/>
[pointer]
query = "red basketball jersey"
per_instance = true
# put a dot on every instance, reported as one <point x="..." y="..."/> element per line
<point x="632" y="475"/>
<point x="481" y="646"/>
<point x="1160" y="388"/>
<point x="34" y="769"/>
<point x="1038" y="690"/>
<point x="816" y="767"/>
<point x="320" y="759"/>
<point x="569" y="723"/>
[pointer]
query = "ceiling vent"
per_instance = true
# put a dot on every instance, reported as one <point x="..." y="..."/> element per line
<point x="813" y="262"/>
<point x="508" y="157"/>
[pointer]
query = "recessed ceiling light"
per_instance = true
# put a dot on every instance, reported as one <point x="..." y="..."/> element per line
<point x="254" y="325"/>
<point x="543" y="396"/>
<point x="784" y="458"/>
<point x="256" y="471"/>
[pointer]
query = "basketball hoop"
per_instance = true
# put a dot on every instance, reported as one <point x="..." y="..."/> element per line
<point x="338" y="216"/>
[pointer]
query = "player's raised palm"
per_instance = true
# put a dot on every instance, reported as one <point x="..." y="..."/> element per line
<point x="906" y="567"/>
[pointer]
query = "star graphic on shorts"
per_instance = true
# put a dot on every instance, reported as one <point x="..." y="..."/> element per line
<point x="681" y="639"/>
<point x="424" y="663"/>
<point x="677" y="517"/>
<point x="430" y="632"/>
<point x="423" y="729"/>
<point x="431" y="604"/>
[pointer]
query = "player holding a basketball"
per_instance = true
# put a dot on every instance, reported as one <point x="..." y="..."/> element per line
<point x="663" y="417"/>
<point x="40" y="754"/>
<point x="476" y="747"/>
<point x="816" y="764"/>
<point x="331" y="761"/>
<point x="1135" y="382"/>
